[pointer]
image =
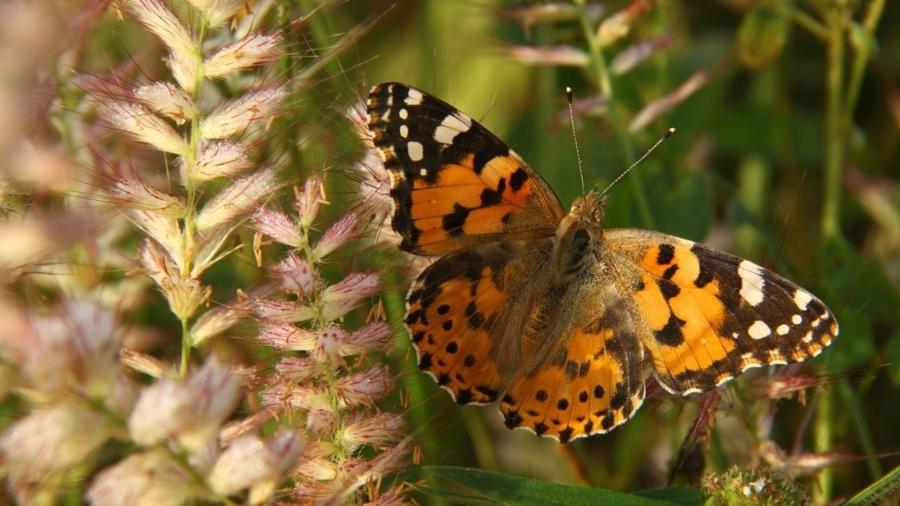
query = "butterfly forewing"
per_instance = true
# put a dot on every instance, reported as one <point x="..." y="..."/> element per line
<point x="710" y="315"/>
<point x="454" y="183"/>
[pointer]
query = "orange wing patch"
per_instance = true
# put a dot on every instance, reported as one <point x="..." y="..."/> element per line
<point x="596" y="387"/>
<point x="458" y="311"/>
<point x="709" y="315"/>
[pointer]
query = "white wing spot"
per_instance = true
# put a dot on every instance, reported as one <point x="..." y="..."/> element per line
<point x="423" y="172"/>
<point x="413" y="97"/>
<point x="808" y="337"/>
<point x="796" y="319"/>
<point x="453" y="125"/>
<point x="415" y="151"/>
<point x="759" y="330"/>
<point x="782" y="329"/>
<point x="403" y="114"/>
<point x="802" y="298"/>
<point x="404" y="131"/>
<point x="752" y="282"/>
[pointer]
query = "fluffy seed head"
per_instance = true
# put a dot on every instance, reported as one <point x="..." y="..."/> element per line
<point x="219" y="159"/>
<point x="165" y="25"/>
<point x="237" y="116"/>
<point x="168" y="100"/>
<point x="51" y="439"/>
<point x="236" y="200"/>
<point x="277" y="226"/>
<point x="151" y="477"/>
<point x="247" y="52"/>
<point x="250" y="462"/>
<point x="217" y="11"/>
<point x="287" y="337"/>
<point x="308" y="200"/>
<point x="343" y="230"/>
<point x="365" y="388"/>
<point x="296" y="276"/>
<point x="349" y="293"/>
<point x="139" y="122"/>
<point x="191" y="410"/>
<point x="377" y="430"/>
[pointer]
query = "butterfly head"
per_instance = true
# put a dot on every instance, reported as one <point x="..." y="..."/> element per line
<point x="578" y="235"/>
<point x="589" y="210"/>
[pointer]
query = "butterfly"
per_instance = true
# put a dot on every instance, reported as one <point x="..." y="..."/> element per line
<point x="558" y="318"/>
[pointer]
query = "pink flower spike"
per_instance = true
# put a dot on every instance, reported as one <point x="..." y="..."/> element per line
<point x="343" y="230"/>
<point x="365" y="388"/>
<point x="343" y="297"/>
<point x="287" y="337"/>
<point x="296" y="275"/>
<point x="277" y="226"/>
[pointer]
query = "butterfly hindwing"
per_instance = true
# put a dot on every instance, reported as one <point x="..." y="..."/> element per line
<point x="593" y="381"/>
<point x="710" y="315"/>
<point x="454" y="183"/>
<point x="465" y="311"/>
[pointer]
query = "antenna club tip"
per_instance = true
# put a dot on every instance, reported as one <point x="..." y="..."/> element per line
<point x="568" y="89"/>
<point x="670" y="132"/>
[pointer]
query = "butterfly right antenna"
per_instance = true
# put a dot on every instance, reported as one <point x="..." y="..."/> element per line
<point x="669" y="133"/>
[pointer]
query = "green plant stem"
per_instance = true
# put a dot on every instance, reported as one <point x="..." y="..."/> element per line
<point x="835" y="127"/>
<point x="861" y="58"/>
<point x="811" y="24"/>
<point x="824" y="434"/>
<point x="189" y="227"/>
<point x="185" y="348"/>
<point x="604" y="82"/>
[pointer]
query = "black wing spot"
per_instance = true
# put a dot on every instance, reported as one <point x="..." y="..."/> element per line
<point x="453" y="222"/>
<point x="512" y="419"/>
<point x="671" y="334"/>
<point x="598" y="392"/>
<point x="666" y="254"/>
<point x="541" y="395"/>
<point x="517" y="179"/>
<point x="565" y="435"/>
<point x="469" y="360"/>
<point x="562" y="404"/>
<point x="452" y="347"/>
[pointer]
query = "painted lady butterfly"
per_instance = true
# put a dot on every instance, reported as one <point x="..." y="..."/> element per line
<point x="548" y="311"/>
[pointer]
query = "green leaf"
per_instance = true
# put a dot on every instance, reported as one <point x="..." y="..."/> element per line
<point x="881" y="490"/>
<point x="498" y="488"/>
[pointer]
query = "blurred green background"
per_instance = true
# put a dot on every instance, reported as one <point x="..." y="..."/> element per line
<point x="768" y="107"/>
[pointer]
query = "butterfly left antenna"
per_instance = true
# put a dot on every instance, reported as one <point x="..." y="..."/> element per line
<point x="575" y="137"/>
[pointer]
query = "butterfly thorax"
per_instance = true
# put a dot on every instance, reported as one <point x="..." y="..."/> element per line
<point x="578" y="237"/>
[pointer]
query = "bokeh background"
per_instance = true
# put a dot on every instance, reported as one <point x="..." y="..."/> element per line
<point x="787" y="152"/>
